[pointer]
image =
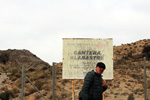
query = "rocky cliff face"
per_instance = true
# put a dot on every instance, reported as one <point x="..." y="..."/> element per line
<point x="128" y="82"/>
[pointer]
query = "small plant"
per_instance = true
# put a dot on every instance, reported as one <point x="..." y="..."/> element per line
<point x="31" y="90"/>
<point x="18" y="83"/>
<point x="64" y="81"/>
<point x="13" y="78"/>
<point x="33" y="77"/>
<point x="146" y="51"/>
<point x="15" y="90"/>
<point x="5" y="95"/>
<point x="37" y="96"/>
<point x="14" y="71"/>
<point x="38" y="84"/>
<point x="130" y="97"/>
<point x="4" y="57"/>
<point x="1" y="69"/>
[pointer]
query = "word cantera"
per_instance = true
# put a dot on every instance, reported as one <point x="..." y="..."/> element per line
<point x="87" y="55"/>
<point x="87" y="52"/>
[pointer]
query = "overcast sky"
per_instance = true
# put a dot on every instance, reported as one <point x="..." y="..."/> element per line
<point x="40" y="25"/>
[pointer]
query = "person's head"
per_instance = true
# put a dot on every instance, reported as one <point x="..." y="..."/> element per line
<point x="100" y="67"/>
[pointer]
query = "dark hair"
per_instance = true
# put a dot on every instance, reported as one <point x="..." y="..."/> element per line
<point x="100" y="64"/>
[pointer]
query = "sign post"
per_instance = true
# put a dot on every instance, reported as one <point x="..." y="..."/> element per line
<point x="53" y="77"/>
<point x="22" y="84"/>
<point x="145" y="89"/>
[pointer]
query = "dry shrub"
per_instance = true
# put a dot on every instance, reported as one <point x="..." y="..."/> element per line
<point x="4" y="57"/>
<point x="130" y="97"/>
<point x="13" y="78"/>
<point x="15" y="90"/>
<point x="18" y="83"/>
<point x="1" y="69"/>
<point x="39" y="84"/>
<point x="33" y="77"/>
<point x="46" y="87"/>
<point x="37" y="96"/>
<point x="64" y="81"/>
<point x="41" y="75"/>
<point x="31" y="90"/>
<point x="14" y="71"/>
<point x="18" y="75"/>
<point x="5" y="95"/>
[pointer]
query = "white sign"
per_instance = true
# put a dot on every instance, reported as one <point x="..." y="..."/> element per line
<point x="81" y="56"/>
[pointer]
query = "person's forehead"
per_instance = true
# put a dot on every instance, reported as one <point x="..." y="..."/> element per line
<point x="101" y="68"/>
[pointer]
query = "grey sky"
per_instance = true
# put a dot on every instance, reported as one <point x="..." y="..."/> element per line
<point x="40" y="25"/>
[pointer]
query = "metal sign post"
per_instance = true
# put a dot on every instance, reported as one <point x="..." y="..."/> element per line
<point x="145" y="89"/>
<point x="53" y="77"/>
<point x="22" y="80"/>
<point x="22" y="84"/>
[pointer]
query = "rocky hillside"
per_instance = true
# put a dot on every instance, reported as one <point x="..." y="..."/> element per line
<point x="135" y="50"/>
<point x="129" y="71"/>
<point x="128" y="82"/>
<point x="11" y="62"/>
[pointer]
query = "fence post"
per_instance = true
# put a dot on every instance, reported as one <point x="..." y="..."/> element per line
<point x="22" y="84"/>
<point x="53" y="77"/>
<point x="145" y="89"/>
<point x="35" y="87"/>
